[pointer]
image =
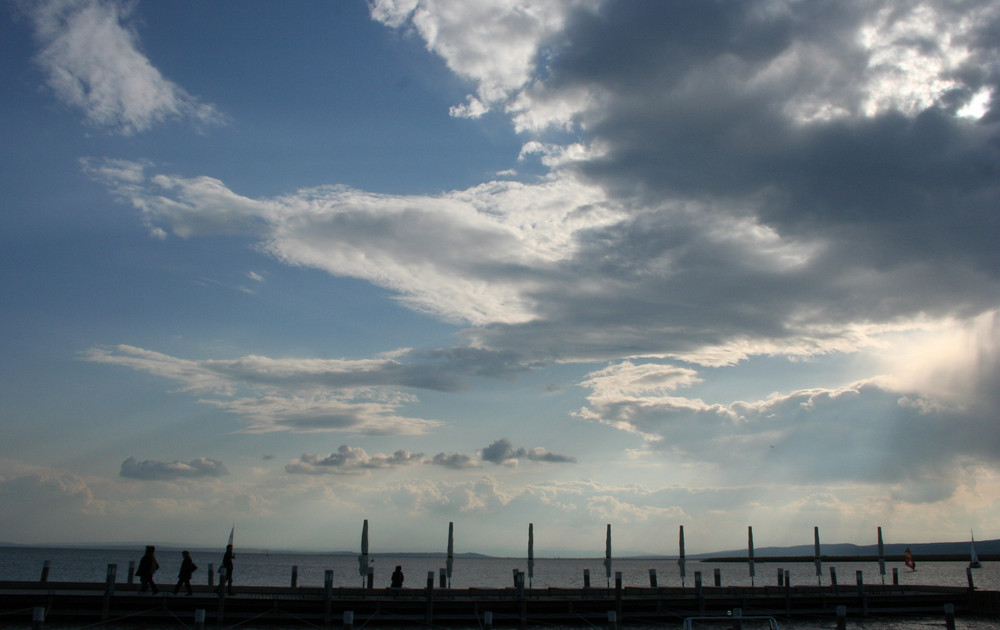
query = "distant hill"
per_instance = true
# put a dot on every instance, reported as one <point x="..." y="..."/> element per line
<point x="985" y="549"/>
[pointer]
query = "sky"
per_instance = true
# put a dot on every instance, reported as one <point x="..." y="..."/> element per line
<point x="287" y="267"/>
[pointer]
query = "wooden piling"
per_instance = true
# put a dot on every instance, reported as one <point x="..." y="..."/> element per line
<point x="968" y="577"/>
<point x="861" y="593"/>
<point x="841" y="617"/>
<point x="429" y="610"/>
<point x="586" y="578"/>
<point x="618" y="593"/>
<point x="895" y="576"/>
<point x="131" y="571"/>
<point x="45" y="571"/>
<point x="698" y="593"/>
<point x="718" y="577"/>
<point x="211" y="574"/>
<point x="295" y="576"/>
<point x="737" y="619"/>
<point x="652" y="578"/>
<point x="327" y="595"/>
<point x="109" y="590"/>
<point x="833" y="576"/>
<point x="949" y="616"/>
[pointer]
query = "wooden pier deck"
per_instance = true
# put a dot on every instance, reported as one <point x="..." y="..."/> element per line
<point x="64" y="602"/>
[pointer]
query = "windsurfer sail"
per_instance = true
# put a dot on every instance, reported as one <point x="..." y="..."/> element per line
<point x="908" y="560"/>
<point x="973" y="558"/>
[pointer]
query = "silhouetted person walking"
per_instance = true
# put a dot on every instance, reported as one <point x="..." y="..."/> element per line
<point x="188" y="567"/>
<point x="226" y="580"/>
<point x="147" y="567"/>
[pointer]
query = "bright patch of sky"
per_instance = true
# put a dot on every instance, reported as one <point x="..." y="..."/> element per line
<point x="499" y="263"/>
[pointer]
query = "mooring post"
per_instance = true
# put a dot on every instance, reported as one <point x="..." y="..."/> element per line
<point x="443" y="577"/>
<point x="327" y="594"/>
<point x="295" y="575"/>
<point x="833" y="577"/>
<point x="781" y="577"/>
<point x="698" y="593"/>
<point x="618" y="593"/>
<point x="488" y="620"/>
<point x="109" y="579"/>
<point x="586" y="578"/>
<point x="220" y="611"/>
<point x="861" y="593"/>
<point x="131" y="571"/>
<point x="348" y="620"/>
<point x="520" y="596"/>
<point x="45" y="571"/>
<point x="788" y="594"/>
<point x="652" y="578"/>
<point x="968" y="576"/>
<point x="841" y="617"/>
<point x="199" y="619"/>
<point x="718" y="577"/>
<point x="371" y="578"/>
<point x="895" y="576"/>
<point x="429" y="614"/>
<point x="737" y="619"/>
<point x="211" y="574"/>
<point x="37" y="618"/>
<point x="612" y="620"/>
<point x="109" y="590"/>
<point x="949" y="616"/>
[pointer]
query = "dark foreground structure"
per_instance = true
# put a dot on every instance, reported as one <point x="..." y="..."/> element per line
<point x="39" y="604"/>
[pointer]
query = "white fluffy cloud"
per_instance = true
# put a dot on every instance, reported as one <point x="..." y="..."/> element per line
<point x="90" y="51"/>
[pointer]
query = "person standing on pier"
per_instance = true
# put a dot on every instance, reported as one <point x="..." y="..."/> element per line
<point x="397" y="578"/>
<point x="188" y="567"/>
<point x="226" y="581"/>
<point x="147" y="567"/>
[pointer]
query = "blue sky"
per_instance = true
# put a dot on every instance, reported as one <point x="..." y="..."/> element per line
<point x="567" y="263"/>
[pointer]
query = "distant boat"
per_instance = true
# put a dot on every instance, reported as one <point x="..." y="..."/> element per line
<point x="973" y="558"/>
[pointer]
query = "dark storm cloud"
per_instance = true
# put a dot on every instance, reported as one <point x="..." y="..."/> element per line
<point x="351" y="461"/>
<point x="767" y="204"/>
<point x="155" y="470"/>
<point x="503" y="452"/>
<point x="684" y="119"/>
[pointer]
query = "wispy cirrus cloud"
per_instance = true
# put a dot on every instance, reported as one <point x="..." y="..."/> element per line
<point x="303" y="395"/>
<point x="90" y="51"/>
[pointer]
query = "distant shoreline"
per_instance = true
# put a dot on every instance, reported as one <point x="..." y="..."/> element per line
<point x="944" y="557"/>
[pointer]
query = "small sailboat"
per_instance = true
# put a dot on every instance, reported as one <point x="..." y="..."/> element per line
<point x="973" y="558"/>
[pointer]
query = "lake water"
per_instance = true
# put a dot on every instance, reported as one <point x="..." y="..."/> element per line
<point x="275" y="569"/>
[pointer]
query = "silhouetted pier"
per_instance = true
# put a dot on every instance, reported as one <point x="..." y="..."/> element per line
<point x="122" y="604"/>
